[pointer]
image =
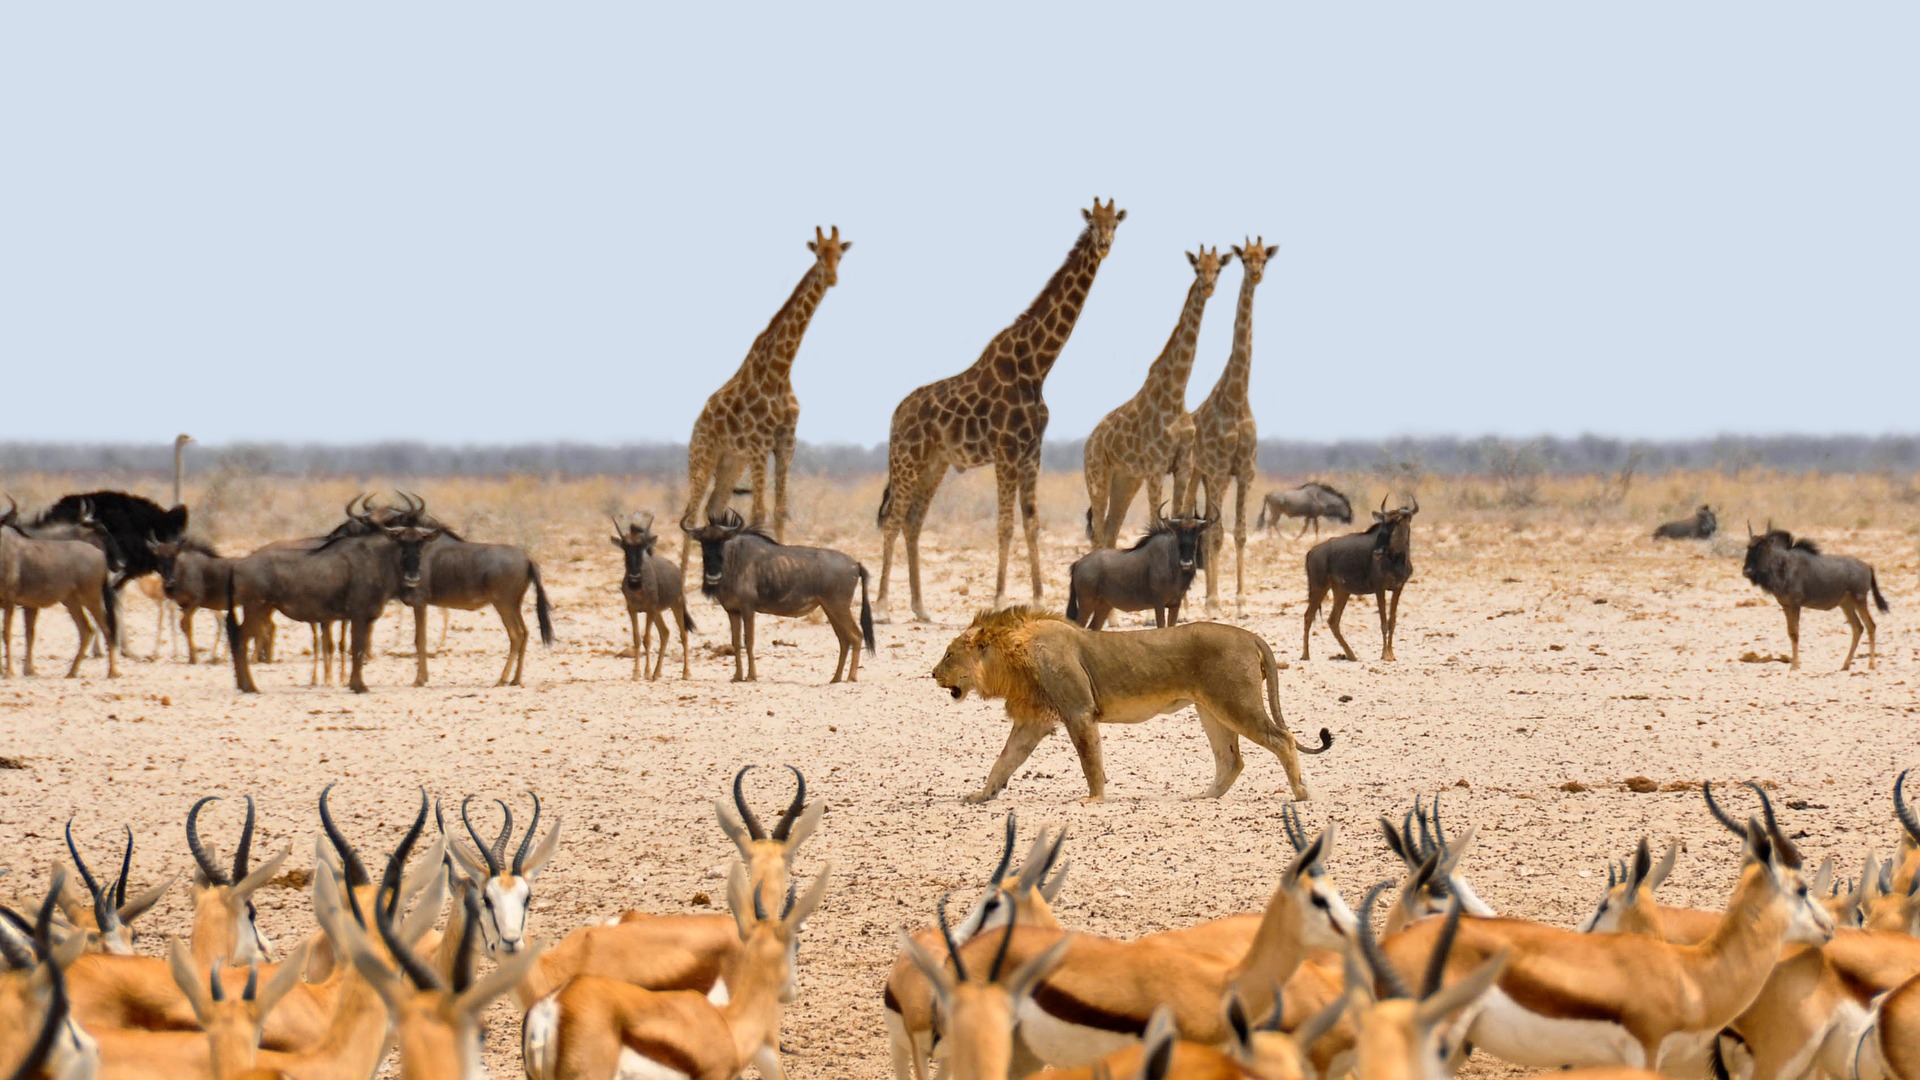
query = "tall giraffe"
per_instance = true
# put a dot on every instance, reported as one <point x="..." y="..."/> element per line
<point x="1150" y="435"/>
<point x="990" y="414"/>
<point x="1224" y="439"/>
<point x="755" y="413"/>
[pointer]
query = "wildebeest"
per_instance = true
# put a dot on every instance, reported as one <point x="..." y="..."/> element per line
<point x="458" y="573"/>
<point x="346" y="578"/>
<point x="1799" y="576"/>
<point x="38" y="572"/>
<point x="746" y="571"/>
<point x="1310" y="501"/>
<point x="1378" y="561"/>
<point x="651" y="585"/>
<point x="1700" y="526"/>
<point x="127" y="521"/>
<point x="194" y="577"/>
<point x="1154" y="573"/>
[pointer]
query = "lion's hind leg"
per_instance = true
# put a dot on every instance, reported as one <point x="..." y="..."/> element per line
<point x="1249" y="718"/>
<point x="1026" y="735"/>
<point x="1227" y="762"/>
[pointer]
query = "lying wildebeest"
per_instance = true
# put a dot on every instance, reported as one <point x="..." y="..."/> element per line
<point x="194" y="576"/>
<point x="458" y="573"/>
<point x="651" y="585"/>
<point x="1378" y="561"/>
<point x="1700" y="526"/>
<point x="347" y="578"/>
<point x="1798" y="576"/>
<point x="1154" y="573"/>
<point x="747" y="571"/>
<point x="38" y="572"/>
<point x="1312" y="501"/>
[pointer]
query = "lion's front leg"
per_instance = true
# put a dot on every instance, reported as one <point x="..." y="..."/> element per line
<point x="1085" y="733"/>
<point x="1026" y="735"/>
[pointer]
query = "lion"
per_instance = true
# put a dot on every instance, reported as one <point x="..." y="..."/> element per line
<point x="1051" y="671"/>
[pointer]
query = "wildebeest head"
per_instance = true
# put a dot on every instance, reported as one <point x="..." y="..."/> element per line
<point x="1394" y="535"/>
<point x="1766" y="551"/>
<point x="828" y="250"/>
<point x="636" y="541"/>
<point x="1708" y="523"/>
<point x="411" y="536"/>
<point x="713" y="537"/>
<point x="13" y="511"/>
<point x="1188" y="531"/>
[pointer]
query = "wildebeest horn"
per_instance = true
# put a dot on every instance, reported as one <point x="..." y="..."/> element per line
<point x="209" y="868"/>
<point x="755" y="830"/>
<point x="647" y="525"/>
<point x="1383" y="502"/>
<point x="1415" y="508"/>
<point x="785" y="825"/>
<point x="619" y="530"/>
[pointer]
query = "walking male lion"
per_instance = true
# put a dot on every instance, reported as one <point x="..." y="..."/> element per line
<point x="1051" y="671"/>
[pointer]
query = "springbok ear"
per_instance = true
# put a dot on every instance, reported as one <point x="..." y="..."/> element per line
<point x="809" y="901"/>
<point x="803" y="827"/>
<point x="180" y="963"/>
<point x="736" y="832"/>
<point x="740" y="900"/>
<point x="1823" y="877"/>
<point x="144" y="902"/>
<point x="1658" y="875"/>
<point x="283" y="981"/>
<point x="548" y="845"/>
<point x="1158" y="1044"/>
<point x="1238" y="1027"/>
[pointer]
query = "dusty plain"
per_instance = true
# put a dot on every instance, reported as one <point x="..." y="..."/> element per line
<point x="1548" y="652"/>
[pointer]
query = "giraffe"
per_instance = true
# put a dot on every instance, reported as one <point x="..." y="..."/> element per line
<point x="989" y="414"/>
<point x="1151" y="434"/>
<point x="754" y="414"/>
<point x="1223" y="433"/>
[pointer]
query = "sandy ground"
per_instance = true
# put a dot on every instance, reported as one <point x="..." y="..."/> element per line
<point x="1530" y="658"/>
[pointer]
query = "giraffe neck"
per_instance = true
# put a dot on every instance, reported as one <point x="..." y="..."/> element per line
<point x="1233" y="381"/>
<point x="1167" y="379"/>
<point x="773" y="351"/>
<point x="1035" y="339"/>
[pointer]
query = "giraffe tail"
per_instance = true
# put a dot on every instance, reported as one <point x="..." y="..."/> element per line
<point x="886" y="501"/>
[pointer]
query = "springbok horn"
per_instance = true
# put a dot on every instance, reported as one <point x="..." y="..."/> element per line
<point x="1006" y="853"/>
<point x="1725" y="819"/>
<point x="105" y="917"/>
<point x="754" y="829"/>
<point x="1006" y="939"/>
<point x="1386" y="978"/>
<point x="499" y="858"/>
<point x="526" y="842"/>
<point x="946" y="932"/>
<point x="244" y="853"/>
<point x="1442" y="945"/>
<point x="785" y="825"/>
<point x="1789" y="854"/>
<point x="119" y="894"/>
<point x="486" y="852"/>
<point x="1904" y="810"/>
<point x="209" y="869"/>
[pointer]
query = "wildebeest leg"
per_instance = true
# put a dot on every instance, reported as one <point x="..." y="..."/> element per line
<point x="6" y="641"/>
<point x="1304" y="522"/>
<point x="739" y="654"/>
<point x="85" y="629"/>
<point x="516" y="624"/>
<point x="1226" y="755"/>
<point x="420" y="645"/>
<point x="29" y="616"/>
<point x="186" y="630"/>
<point x="1085" y="733"/>
<point x="322" y="655"/>
<point x="1030" y="516"/>
<point x="1386" y="629"/>
<point x="746" y="626"/>
<point x="680" y="613"/>
<point x="1020" y="743"/>
<point x="1097" y="613"/>
<point x="657" y="621"/>
<point x="92" y="605"/>
<point x="1333" y="621"/>
<point x="446" y="616"/>
<point x="360" y="638"/>
<point x="1866" y="615"/>
<point x="1314" y="597"/>
<point x="640" y="640"/>
<point x="1851" y="611"/>
<point x="249" y="621"/>
<point x="848" y="631"/>
<point x="1393" y="621"/>
<point x="1793" y="635"/>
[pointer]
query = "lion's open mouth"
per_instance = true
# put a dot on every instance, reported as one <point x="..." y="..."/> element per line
<point x="957" y="692"/>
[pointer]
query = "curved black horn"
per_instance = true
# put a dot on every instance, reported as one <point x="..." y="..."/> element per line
<point x="462" y="973"/>
<point x="1725" y="819"/>
<point x="1290" y="821"/>
<point x="493" y="864"/>
<point x="243" y="854"/>
<point x="526" y="842"/>
<point x="1442" y="945"/>
<point x="119" y="893"/>
<point x="946" y="932"/>
<point x="1006" y="939"/>
<point x="1006" y="853"/>
<point x="1386" y="978"/>
<point x="1383" y="502"/>
<point x="102" y="911"/>
<point x="1904" y="810"/>
<point x="249" y="991"/>
<point x="1789" y="853"/>
<point x="350" y="864"/>
<point x="787" y="817"/>
<point x="754" y="829"/>
<point x="506" y="833"/>
<point x="387" y="901"/>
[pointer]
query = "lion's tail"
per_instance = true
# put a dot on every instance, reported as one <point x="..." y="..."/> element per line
<point x="1272" y="668"/>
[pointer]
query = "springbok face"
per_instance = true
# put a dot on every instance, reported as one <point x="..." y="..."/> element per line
<point x="828" y="250"/>
<point x="1770" y="852"/>
<point x="505" y="886"/>
<point x="1253" y="258"/>
<point x="108" y="926"/>
<point x="1206" y="267"/>
<point x="1330" y="923"/>
<point x="1628" y="901"/>
<point x="223" y="897"/>
<point x="1101" y="222"/>
<point x="768" y="855"/>
<point x="770" y="943"/>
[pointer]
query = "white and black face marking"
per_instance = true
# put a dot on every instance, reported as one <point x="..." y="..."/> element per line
<point x="1809" y="924"/>
<point x="505" y="901"/>
<point x="1333" y="924"/>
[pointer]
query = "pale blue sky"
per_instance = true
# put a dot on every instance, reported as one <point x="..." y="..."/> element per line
<point x="483" y="223"/>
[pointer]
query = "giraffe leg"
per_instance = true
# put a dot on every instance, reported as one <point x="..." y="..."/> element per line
<point x="1183" y="482"/>
<point x="1095" y="468"/>
<point x="701" y="459"/>
<point x="917" y="517"/>
<point x="903" y="484"/>
<point x="1006" y="490"/>
<point x="1120" y="493"/>
<point x="1030" y="519"/>
<point x="782" y="464"/>
<point x="1242" y="483"/>
<point x="1216" y="543"/>
<point x="759" y="473"/>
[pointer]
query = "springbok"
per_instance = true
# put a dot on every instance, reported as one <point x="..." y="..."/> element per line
<point x="978" y="1013"/>
<point x="38" y="1036"/>
<point x="506" y="886"/>
<point x="594" y="1028"/>
<point x="651" y="585"/>
<point x="107" y="921"/>
<point x="1256" y="1050"/>
<point x="37" y="573"/>
<point x="1401" y="1035"/>
<point x="225" y="924"/>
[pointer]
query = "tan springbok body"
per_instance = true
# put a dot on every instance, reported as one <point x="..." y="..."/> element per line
<point x="595" y="1028"/>
<point x="1260" y="1051"/>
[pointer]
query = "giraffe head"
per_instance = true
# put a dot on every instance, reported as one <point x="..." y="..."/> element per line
<point x="828" y="250"/>
<point x="1206" y="267"/>
<point x="1101" y="221"/>
<point x="1254" y="256"/>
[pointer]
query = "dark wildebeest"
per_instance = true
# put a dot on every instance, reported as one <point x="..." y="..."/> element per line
<point x="1154" y="573"/>
<point x="126" y="521"/>
<point x="194" y="577"/>
<point x="1312" y="501"/>
<point x="1700" y="526"/>
<point x="1378" y="561"/>
<point x="651" y="585"/>
<point x="1799" y="576"/>
<point x="457" y="573"/>
<point x="746" y="571"/>
<point x="348" y="579"/>
<point x="38" y="572"/>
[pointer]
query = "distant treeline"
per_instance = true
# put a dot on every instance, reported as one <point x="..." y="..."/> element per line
<point x="1438" y="455"/>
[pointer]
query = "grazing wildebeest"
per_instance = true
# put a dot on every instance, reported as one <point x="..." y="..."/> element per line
<point x="1378" y="561"/>
<point x="347" y="578"/>
<point x="37" y="572"/>
<point x="1700" y="526"/>
<point x="651" y="585"/>
<point x="194" y="576"/>
<point x="746" y="571"/>
<point x="1154" y="573"/>
<point x="1799" y="576"/>
<point x="458" y="573"/>
<point x="1311" y="501"/>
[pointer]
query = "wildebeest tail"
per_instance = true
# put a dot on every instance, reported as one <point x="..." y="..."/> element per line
<point x="1089" y="522"/>
<point x="542" y="610"/>
<point x="1261" y="521"/>
<point x="886" y="500"/>
<point x="686" y="620"/>
<point x="1073" y="604"/>
<point x="110" y="605"/>
<point x="866" y="610"/>
<point x="1873" y="582"/>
